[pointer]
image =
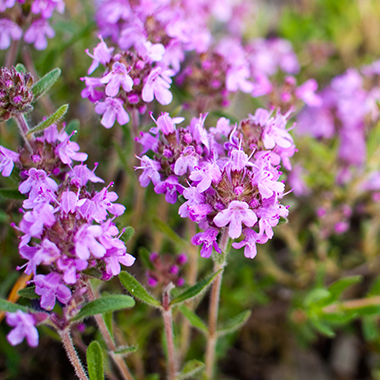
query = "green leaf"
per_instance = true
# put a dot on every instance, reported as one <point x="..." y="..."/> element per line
<point x="105" y="304"/>
<point x="323" y="328"/>
<point x="337" y="288"/>
<point x="20" y="68"/>
<point x="316" y="296"/>
<point x="195" y="290"/>
<point x="11" y="307"/>
<point x="53" y="119"/>
<point x="28" y="293"/>
<point x="168" y="232"/>
<point x="127" y="234"/>
<point x="234" y="323"/>
<point x="94" y="356"/>
<point x="193" y="319"/>
<point x="11" y="194"/>
<point x="137" y="290"/>
<point x="190" y="369"/>
<point x="45" y="83"/>
<point x="126" y="350"/>
<point x="375" y="288"/>
<point x="283" y="221"/>
<point x="371" y="329"/>
<point x="144" y="255"/>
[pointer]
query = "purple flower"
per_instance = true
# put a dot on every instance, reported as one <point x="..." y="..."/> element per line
<point x="86" y="243"/>
<point x="112" y="109"/>
<point x="116" y="78"/>
<point x="50" y="287"/>
<point x="8" y="30"/>
<point x="187" y="160"/>
<point x="37" y="33"/>
<point x="165" y="123"/>
<point x="7" y="160"/>
<point x="4" y="4"/>
<point x="306" y="92"/>
<point x="236" y="214"/>
<point x="170" y="187"/>
<point x="206" y="176"/>
<point x="46" y="7"/>
<point x="249" y="242"/>
<point x="102" y="54"/>
<point x="68" y="151"/>
<point x="37" y="180"/>
<point x="69" y="267"/>
<point x="150" y="171"/>
<point x="24" y="327"/>
<point x="81" y="174"/>
<point x="157" y="86"/>
<point x="90" y="92"/>
<point x="208" y="239"/>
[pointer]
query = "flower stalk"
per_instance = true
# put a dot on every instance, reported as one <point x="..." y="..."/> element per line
<point x="72" y="354"/>
<point x="219" y="263"/>
<point x="117" y="359"/>
<point x="168" y="323"/>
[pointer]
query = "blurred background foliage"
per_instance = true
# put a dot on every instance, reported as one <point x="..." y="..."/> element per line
<point x="314" y="295"/>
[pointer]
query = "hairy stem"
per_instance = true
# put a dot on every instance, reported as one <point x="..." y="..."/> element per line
<point x="214" y="307"/>
<point x="72" y="354"/>
<point x="191" y="278"/>
<point x="168" y="323"/>
<point x="24" y="129"/>
<point x="117" y="359"/>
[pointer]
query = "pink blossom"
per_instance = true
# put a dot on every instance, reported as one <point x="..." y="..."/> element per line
<point x="4" y="4"/>
<point x="235" y="215"/>
<point x="116" y="78"/>
<point x="24" y="327"/>
<point x="7" y="160"/>
<point x="157" y="86"/>
<point x="37" y="33"/>
<point x="112" y="109"/>
<point x="102" y="54"/>
<point x="8" y="31"/>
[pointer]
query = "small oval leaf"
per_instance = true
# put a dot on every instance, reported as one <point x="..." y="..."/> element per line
<point x="193" y="319"/>
<point x="20" y="68"/>
<point x="190" y="369"/>
<point x="11" y="307"/>
<point x="137" y="290"/>
<point x="45" y="83"/>
<point x="126" y="350"/>
<point x="94" y="357"/>
<point x="105" y="304"/>
<point x="28" y="293"/>
<point x="234" y="323"/>
<point x="53" y="119"/>
<point x="195" y="290"/>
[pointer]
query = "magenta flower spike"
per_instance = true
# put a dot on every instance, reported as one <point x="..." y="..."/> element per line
<point x="24" y="327"/>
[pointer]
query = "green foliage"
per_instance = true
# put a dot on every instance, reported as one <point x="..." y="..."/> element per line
<point x="196" y="290"/>
<point x="20" y="68"/>
<point x="126" y="350"/>
<point x="194" y="319"/>
<point x="28" y="293"/>
<point x="53" y="119"/>
<point x="12" y="194"/>
<point x="105" y="304"/>
<point x="44" y="84"/>
<point x="11" y="307"/>
<point x="190" y="369"/>
<point x="234" y="323"/>
<point x="94" y="357"/>
<point x="137" y="290"/>
<point x="168" y="232"/>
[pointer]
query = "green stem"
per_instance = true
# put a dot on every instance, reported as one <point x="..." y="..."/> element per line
<point x="118" y="360"/>
<point x="214" y="306"/>
<point x="72" y="354"/>
<point x="168" y="323"/>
